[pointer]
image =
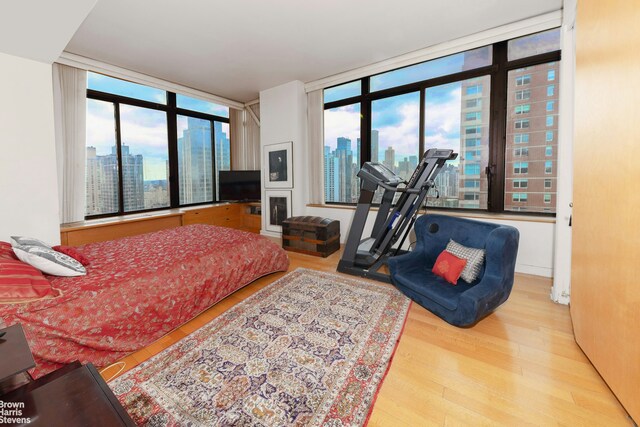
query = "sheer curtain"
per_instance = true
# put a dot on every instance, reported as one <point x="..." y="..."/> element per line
<point x="70" y="109"/>
<point x="236" y="140"/>
<point x="315" y="129"/>
<point x="245" y="138"/>
<point x="252" y="134"/>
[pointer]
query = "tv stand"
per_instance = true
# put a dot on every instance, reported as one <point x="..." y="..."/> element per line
<point x="243" y="216"/>
<point x="252" y="217"/>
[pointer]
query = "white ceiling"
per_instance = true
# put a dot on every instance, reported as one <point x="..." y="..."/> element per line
<point x="236" y="48"/>
<point x="40" y="29"/>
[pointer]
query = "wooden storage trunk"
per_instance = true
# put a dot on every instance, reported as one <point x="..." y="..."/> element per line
<point x="311" y="235"/>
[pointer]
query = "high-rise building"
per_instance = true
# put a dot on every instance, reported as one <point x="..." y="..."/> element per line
<point x="329" y="171"/>
<point x="404" y="168"/>
<point x="390" y="158"/>
<point x="532" y="139"/>
<point x="132" y="179"/>
<point x="375" y="135"/>
<point x="344" y="168"/>
<point x="94" y="184"/>
<point x="474" y="145"/>
<point x="195" y="162"/>
<point x="223" y="147"/>
<point x="102" y="181"/>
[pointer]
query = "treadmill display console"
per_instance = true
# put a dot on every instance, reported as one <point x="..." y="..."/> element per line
<point x="383" y="173"/>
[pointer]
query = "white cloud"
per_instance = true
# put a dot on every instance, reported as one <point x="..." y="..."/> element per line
<point x="444" y="117"/>
<point x="341" y="122"/>
<point x="404" y="136"/>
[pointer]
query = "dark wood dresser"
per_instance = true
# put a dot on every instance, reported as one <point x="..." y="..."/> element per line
<point x="75" y="395"/>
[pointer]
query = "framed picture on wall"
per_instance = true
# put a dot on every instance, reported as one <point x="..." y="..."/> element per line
<point x="278" y="208"/>
<point x="278" y="161"/>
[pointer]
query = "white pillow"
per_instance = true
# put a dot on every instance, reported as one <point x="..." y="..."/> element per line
<point x="27" y="241"/>
<point x="49" y="261"/>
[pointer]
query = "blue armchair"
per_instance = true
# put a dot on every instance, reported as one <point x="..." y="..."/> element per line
<point x="466" y="303"/>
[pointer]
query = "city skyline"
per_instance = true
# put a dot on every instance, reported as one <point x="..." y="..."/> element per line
<point x="142" y="191"/>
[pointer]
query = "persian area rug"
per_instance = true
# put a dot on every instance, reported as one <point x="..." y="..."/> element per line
<point x="311" y="349"/>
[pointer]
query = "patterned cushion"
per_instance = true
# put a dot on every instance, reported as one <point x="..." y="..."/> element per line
<point x="474" y="257"/>
<point x="27" y="241"/>
<point x="49" y="261"/>
<point x="449" y="267"/>
<point x="20" y="282"/>
<point x="73" y="253"/>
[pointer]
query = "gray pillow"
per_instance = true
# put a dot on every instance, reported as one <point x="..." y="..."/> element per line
<point x="27" y="241"/>
<point x="474" y="257"/>
<point x="49" y="261"/>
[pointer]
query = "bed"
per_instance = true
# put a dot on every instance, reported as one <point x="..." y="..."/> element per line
<point x="139" y="288"/>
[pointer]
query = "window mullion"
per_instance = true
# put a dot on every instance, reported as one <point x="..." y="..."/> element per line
<point x="214" y="166"/>
<point x="119" y="156"/>
<point x="421" y="125"/>
<point x="365" y="126"/>
<point x="172" y="136"/>
<point x="497" y="130"/>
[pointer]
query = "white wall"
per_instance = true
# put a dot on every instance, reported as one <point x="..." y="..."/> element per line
<point x="283" y="117"/>
<point x="535" y="253"/>
<point x="28" y="184"/>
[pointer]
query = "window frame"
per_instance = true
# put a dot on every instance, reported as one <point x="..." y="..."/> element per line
<point x="172" y="112"/>
<point x="497" y="72"/>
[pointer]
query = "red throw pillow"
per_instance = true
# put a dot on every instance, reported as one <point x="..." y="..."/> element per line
<point x="449" y="267"/>
<point x="20" y="282"/>
<point x="73" y="253"/>
<point x="6" y="251"/>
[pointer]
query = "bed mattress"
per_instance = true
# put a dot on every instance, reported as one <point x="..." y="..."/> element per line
<point x="139" y="288"/>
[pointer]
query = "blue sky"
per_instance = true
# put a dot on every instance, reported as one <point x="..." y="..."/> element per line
<point x="397" y="118"/>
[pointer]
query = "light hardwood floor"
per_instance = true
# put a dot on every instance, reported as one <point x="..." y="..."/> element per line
<point x="518" y="366"/>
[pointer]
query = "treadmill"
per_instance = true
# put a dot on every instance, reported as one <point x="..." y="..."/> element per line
<point x="365" y="256"/>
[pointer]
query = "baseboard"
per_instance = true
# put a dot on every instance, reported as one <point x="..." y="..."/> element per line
<point x="534" y="270"/>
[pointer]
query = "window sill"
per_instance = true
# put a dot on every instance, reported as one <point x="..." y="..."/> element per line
<point x="119" y="219"/>
<point x="473" y="214"/>
<point x="141" y="216"/>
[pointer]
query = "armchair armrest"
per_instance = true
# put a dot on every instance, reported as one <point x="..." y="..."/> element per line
<point x="412" y="258"/>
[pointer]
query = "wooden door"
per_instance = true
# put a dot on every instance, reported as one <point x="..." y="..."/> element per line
<point x="605" y="285"/>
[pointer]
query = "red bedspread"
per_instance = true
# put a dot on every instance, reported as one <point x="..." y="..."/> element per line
<point x="138" y="289"/>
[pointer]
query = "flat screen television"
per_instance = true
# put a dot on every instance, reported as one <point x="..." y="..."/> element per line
<point x="239" y="186"/>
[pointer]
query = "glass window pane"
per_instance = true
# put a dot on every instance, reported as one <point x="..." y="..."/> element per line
<point x="108" y="84"/>
<point x="102" y="159"/>
<point x="534" y="44"/>
<point x="344" y="91"/>
<point x="536" y="163"/>
<point x="451" y="64"/>
<point x="342" y="154"/>
<point x="195" y="160"/>
<point x="462" y="183"/>
<point x="222" y="146"/>
<point x="207" y="107"/>
<point x="395" y="134"/>
<point x="145" y="158"/>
